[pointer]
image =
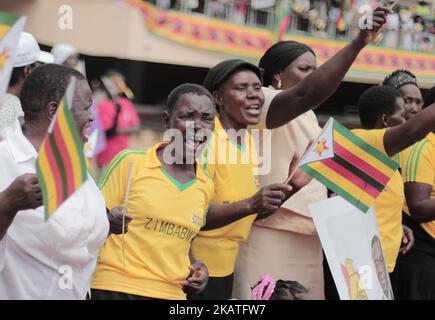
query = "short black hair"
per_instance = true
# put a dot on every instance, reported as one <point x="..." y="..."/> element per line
<point x="183" y="89"/>
<point x="429" y="98"/>
<point x="294" y="288"/>
<point x="18" y="73"/>
<point x="374" y="102"/>
<point x="47" y="83"/>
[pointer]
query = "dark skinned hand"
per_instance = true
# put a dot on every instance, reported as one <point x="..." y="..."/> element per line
<point x="115" y="220"/>
<point x="22" y="194"/>
<point x="197" y="279"/>
<point x="407" y="239"/>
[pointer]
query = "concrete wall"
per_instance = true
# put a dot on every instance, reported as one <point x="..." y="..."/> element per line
<point x="105" y="28"/>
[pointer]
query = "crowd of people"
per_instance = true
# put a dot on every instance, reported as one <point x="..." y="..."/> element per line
<point x="410" y="27"/>
<point x="194" y="217"/>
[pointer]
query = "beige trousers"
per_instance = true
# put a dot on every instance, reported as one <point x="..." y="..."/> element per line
<point x="284" y="255"/>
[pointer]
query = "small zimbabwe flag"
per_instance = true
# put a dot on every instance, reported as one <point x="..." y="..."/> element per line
<point x="10" y="31"/>
<point x="61" y="166"/>
<point x="348" y="165"/>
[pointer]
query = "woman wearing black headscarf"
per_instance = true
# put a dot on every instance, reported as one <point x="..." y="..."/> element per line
<point x="230" y="160"/>
<point x="285" y="245"/>
<point x="406" y="82"/>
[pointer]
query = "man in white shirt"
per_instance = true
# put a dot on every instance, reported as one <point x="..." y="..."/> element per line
<point x="27" y="57"/>
<point x="53" y="259"/>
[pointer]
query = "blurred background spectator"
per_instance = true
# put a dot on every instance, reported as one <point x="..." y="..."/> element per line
<point x="118" y="116"/>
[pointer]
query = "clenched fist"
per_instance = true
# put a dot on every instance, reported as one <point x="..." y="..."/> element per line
<point x="115" y="220"/>
<point x="197" y="279"/>
<point x="269" y="198"/>
<point x="22" y="194"/>
<point x="379" y="17"/>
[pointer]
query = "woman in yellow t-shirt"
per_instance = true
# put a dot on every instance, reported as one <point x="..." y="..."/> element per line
<point x="231" y="161"/>
<point x="382" y="113"/>
<point x="169" y="196"/>
<point x="381" y="108"/>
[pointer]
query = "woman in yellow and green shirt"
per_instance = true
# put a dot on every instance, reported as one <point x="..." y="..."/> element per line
<point x="231" y="161"/>
<point x="382" y="114"/>
<point x="168" y="202"/>
<point x="414" y="277"/>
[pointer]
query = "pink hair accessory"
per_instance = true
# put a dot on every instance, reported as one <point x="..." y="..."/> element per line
<point x="257" y="292"/>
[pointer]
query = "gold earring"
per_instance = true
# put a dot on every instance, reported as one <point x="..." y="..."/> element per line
<point x="279" y="84"/>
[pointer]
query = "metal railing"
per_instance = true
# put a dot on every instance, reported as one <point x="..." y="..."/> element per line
<point x="242" y="13"/>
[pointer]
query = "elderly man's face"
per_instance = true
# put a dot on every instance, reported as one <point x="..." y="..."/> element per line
<point x="80" y="108"/>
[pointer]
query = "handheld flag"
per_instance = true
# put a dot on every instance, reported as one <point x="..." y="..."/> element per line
<point x="393" y="5"/>
<point x="125" y="206"/>
<point x="118" y="84"/>
<point x="61" y="166"/>
<point x="348" y="165"/>
<point x="10" y="30"/>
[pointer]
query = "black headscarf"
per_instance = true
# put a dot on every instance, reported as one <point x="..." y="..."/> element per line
<point x="279" y="56"/>
<point x="222" y="71"/>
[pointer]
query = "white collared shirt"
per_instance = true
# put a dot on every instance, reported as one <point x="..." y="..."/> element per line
<point x="53" y="259"/>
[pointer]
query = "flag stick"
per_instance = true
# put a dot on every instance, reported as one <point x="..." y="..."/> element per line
<point x="394" y="5"/>
<point x="308" y="148"/>
<point x="125" y="207"/>
<point x="291" y="174"/>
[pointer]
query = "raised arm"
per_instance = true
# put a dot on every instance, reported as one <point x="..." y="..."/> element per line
<point x="323" y="82"/>
<point x="401" y="137"/>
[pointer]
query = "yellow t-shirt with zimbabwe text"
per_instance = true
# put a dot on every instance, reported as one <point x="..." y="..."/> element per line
<point x="167" y="215"/>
